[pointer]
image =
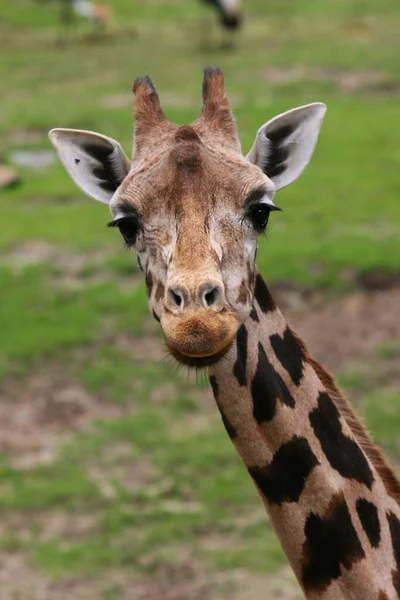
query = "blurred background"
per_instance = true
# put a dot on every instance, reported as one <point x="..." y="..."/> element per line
<point x="117" y="480"/>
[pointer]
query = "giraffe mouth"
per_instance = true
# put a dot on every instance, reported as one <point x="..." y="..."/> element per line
<point x="198" y="362"/>
<point x="200" y="338"/>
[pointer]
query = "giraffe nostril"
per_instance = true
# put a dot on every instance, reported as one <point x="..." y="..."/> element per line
<point x="177" y="296"/>
<point x="212" y="296"/>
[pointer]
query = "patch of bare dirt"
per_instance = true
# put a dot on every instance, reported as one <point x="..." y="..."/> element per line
<point x="378" y="280"/>
<point x="37" y="252"/>
<point x="183" y="582"/>
<point x="348" y="82"/>
<point x="169" y="100"/>
<point x="149" y="348"/>
<point x="281" y="585"/>
<point x="69" y="266"/>
<point x="37" y="415"/>
<point x="118" y="100"/>
<point x="8" y="177"/>
<point x="190" y="583"/>
<point x="26" y="136"/>
<point x="71" y="527"/>
<point x="346" y="329"/>
<point x="117" y="467"/>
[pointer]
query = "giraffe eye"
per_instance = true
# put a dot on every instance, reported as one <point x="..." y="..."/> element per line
<point x="259" y="215"/>
<point x="128" y="228"/>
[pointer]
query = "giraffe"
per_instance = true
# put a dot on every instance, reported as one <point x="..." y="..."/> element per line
<point x="192" y="206"/>
<point x="228" y="12"/>
<point x="98" y="14"/>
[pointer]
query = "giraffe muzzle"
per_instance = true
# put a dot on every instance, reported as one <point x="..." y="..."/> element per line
<point x="199" y="333"/>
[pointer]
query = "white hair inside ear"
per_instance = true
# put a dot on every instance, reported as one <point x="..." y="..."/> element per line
<point x="284" y="145"/>
<point x="96" y="163"/>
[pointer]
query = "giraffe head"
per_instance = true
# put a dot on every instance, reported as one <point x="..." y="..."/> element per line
<point x="192" y="206"/>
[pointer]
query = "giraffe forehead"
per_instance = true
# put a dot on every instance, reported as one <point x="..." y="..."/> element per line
<point x="183" y="197"/>
<point x="189" y="171"/>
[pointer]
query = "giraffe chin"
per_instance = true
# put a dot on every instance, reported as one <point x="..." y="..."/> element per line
<point x="199" y="338"/>
<point x="197" y="362"/>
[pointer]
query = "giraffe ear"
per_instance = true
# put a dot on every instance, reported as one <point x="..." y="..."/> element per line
<point x="96" y="163"/>
<point x="283" y="146"/>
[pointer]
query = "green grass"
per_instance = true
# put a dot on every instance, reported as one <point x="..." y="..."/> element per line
<point x="159" y="477"/>
<point x="187" y="494"/>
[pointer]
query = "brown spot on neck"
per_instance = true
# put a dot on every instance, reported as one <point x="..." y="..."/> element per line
<point x="331" y="542"/>
<point x="394" y="526"/>
<point x="374" y="454"/>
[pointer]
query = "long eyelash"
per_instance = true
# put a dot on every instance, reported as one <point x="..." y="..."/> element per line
<point x="116" y="222"/>
<point x="272" y="207"/>
<point x="245" y="216"/>
<point x="126" y="247"/>
<point x="266" y="230"/>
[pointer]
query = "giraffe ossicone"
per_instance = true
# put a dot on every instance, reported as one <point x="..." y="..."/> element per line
<point x="192" y="206"/>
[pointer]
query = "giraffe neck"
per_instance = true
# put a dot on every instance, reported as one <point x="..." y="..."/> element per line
<point x="331" y="498"/>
